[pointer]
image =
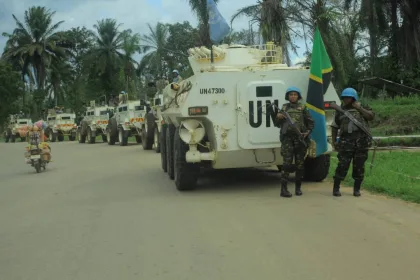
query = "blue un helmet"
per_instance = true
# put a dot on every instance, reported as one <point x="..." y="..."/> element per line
<point x="290" y="89"/>
<point x="350" y="92"/>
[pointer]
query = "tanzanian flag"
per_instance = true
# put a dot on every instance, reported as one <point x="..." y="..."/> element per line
<point x="319" y="80"/>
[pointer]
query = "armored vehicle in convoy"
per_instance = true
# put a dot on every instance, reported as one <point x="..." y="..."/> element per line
<point x="94" y="123"/>
<point x="60" y="123"/>
<point x="153" y="121"/>
<point x="16" y="127"/>
<point x="223" y="116"/>
<point x="127" y="121"/>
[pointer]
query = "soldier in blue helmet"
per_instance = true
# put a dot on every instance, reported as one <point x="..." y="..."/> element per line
<point x="291" y="143"/>
<point x="354" y="142"/>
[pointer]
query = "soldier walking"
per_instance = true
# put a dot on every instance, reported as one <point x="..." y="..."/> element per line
<point x="294" y="142"/>
<point x="353" y="143"/>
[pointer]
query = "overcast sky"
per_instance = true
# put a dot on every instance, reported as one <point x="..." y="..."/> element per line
<point x="134" y="14"/>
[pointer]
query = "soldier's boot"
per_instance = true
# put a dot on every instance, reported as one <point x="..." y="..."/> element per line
<point x="356" y="188"/>
<point x="298" y="183"/>
<point x="284" y="192"/>
<point x="336" y="188"/>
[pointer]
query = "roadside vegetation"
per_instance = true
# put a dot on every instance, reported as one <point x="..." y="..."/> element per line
<point x="395" y="174"/>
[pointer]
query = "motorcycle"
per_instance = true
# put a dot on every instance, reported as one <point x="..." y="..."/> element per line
<point x="36" y="160"/>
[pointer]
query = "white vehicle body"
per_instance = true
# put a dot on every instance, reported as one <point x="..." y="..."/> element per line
<point x="153" y="125"/>
<point x="60" y="125"/>
<point x="17" y="128"/>
<point x="94" y="123"/>
<point x="224" y="113"/>
<point x="127" y="121"/>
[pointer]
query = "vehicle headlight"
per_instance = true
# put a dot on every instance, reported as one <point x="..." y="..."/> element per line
<point x="191" y="131"/>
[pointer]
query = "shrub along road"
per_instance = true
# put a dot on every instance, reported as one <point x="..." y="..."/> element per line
<point x="109" y="212"/>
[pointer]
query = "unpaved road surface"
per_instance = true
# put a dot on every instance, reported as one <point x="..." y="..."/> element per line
<point x="104" y="212"/>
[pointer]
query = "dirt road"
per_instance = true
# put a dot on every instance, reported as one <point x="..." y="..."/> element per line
<point x="104" y="212"/>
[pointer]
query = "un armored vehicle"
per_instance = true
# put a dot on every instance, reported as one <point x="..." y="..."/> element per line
<point x="223" y="116"/>
<point x="60" y="123"/>
<point x="17" y="127"/>
<point x="153" y="125"/>
<point x="94" y="123"/>
<point x="127" y="121"/>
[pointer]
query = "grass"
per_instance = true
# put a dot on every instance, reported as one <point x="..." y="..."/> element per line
<point x="386" y="177"/>
<point x="400" y="116"/>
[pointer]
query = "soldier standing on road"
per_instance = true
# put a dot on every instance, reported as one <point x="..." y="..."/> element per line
<point x="292" y="145"/>
<point x="354" y="143"/>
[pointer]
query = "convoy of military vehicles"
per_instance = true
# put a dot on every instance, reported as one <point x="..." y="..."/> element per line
<point x="221" y="117"/>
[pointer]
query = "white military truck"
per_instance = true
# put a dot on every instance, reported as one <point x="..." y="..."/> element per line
<point x="94" y="123"/>
<point x="17" y="127"/>
<point x="127" y="121"/>
<point x="153" y="125"/>
<point x="60" y="123"/>
<point x="223" y="116"/>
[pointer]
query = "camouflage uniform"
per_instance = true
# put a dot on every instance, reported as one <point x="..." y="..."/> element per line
<point x="291" y="145"/>
<point x="352" y="146"/>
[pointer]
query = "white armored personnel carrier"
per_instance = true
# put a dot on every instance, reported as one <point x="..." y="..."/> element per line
<point x="17" y="127"/>
<point x="127" y="121"/>
<point x="60" y="123"/>
<point x="223" y="116"/>
<point x="94" y="123"/>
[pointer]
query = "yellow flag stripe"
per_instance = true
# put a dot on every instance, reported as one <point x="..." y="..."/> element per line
<point x="315" y="78"/>
<point x="313" y="108"/>
<point x="328" y="70"/>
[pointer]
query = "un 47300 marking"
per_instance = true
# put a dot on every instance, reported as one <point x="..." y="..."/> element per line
<point x="212" y="90"/>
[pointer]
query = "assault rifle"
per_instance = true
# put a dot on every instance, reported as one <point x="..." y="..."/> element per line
<point x="293" y="125"/>
<point x="359" y="125"/>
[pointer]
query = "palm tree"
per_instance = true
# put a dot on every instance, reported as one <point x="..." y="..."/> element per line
<point x="154" y="45"/>
<point x="33" y="43"/>
<point x="199" y="7"/>
<point x="106" y="57"/>
<point x="130" y="46"/>
<point x="274" y="22"/>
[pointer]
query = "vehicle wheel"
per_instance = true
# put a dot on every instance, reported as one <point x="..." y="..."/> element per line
<point x="91" y="137"/>
<point x="13" y="138"/>
<point x="170" y="150"/>
<point x="53" y="137"/>
<point x="186" y="174"/>
<point x="104" y="138"/>
<point x="81" y="137"/>
<point x="60" y="137"/>
<point x="22" y="139"/>
<point x="156" y="142"/>
<point x="6" y="138"/>
<point x="37" y="166"/>
<point x="162" y="144"/>
<point x="122" y="137"/>
<point x="148" y="136"/>
<point x="71" y="138"/>
<point x="111" y="132"/>
<point x="316" y="169"/>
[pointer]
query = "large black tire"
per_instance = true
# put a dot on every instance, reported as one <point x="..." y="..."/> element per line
<point x="53" y="137"/>
<point x="60" y="137"/>
<point x="162" y="142"/>
<point x="22" y="139"/>
<point x="13" y="138"/>
<point x="80" y="137"/>
<point x="91" y="136"/>
<point x="316" y="169"/>
<point x="37" y="166"/>
<point x="148" y="136"/>
<point x="186" y="174"/>
<point x="170" y="132"/>
<point x="156" y="140"/>
<point x="112" y="132"/>
<point x="122" y="137"/>
<point x="6" y="138"/>
<point x="138" y="139"/>
<point x="104" y="138"/>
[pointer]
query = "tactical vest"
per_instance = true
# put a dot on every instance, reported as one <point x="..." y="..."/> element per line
<point x="348" y="127"/>
<point x="296" y="114"/>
